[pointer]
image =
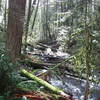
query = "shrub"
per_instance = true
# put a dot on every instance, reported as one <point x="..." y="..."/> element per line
<point x="6" y="67"/>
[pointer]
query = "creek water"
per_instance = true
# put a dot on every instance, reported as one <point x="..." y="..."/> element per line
<point x="76" y="87"/>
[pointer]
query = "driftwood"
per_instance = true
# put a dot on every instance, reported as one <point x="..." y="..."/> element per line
<point x="43" y="45"/>
<point x="46" y="84"/>
<point x="36" y="65"/>
<point x="48" y="43"/>
<point x="53" y="47"/>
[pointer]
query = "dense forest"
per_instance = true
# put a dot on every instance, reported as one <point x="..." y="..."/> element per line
<point x="49" y="49"/>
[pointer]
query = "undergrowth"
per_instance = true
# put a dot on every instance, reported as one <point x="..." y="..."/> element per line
<point x="6" y="68"/>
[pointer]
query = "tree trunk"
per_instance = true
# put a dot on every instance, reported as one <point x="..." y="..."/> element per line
<point x="5" y="15"/>
<point x="0" y="4"/>
<point x="88" y="42"/>
<point x="15" y="27"/>
<point x="27" y="24"/>
<point x="36" y="11"/>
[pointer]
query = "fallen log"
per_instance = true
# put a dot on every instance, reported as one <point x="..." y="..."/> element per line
<point x="46" y="84"/>
<point x="35" y="65"/>
<point x="19" y="93"/>
<point x="43" y="45"/>
<point x="53" y="47"/>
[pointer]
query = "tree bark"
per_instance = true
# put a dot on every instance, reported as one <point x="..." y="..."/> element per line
<point x="36" y="11"/>
<point x="15" y="27"/>
<point x="27" y="24"/>
<point x="5" y="17"/>
<point x="0" y="4"/>
<point x="88" y="42"/>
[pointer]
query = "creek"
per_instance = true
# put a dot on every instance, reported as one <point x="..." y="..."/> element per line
<point x="72" y="85"/>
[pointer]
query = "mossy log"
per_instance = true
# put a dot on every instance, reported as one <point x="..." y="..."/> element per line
<point x="46" y="84"/>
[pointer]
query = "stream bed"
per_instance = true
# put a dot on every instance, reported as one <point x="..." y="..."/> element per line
<point x="76" y="87"/>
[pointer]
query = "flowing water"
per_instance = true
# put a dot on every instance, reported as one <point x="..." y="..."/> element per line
<point x="76" y="87"/>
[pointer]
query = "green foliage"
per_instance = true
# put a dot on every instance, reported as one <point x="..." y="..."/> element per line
<point x="5" y="96"/>
<point x="30" y="85"/>
<point x="6" y="67"/>
<point x="5" y="62"/>
<point x="96" y="48"/>
<point x="79" y="61"/>
<point x="1" y="97"/>
<point x="16" y="78"/>
<point x="80" y="54"/>
<point x="24" y="83"/>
